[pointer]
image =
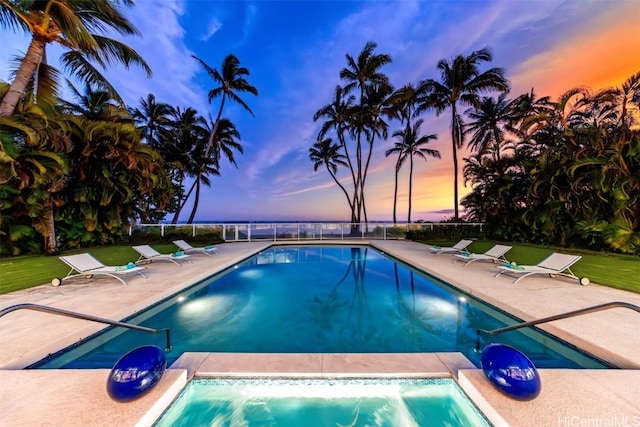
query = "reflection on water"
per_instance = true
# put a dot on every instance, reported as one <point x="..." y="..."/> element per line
<point x="318" y="299"/>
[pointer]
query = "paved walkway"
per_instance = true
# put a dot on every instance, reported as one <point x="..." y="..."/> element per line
<point x="26" y="336"/>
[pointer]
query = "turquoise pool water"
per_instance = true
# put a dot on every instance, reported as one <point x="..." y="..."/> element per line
<point x="320" y="299"/>
<point x="322" y="403"/>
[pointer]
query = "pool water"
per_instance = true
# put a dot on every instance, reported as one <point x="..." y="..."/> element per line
<point x="320" y="299"/>
<point x="309" y="403"/>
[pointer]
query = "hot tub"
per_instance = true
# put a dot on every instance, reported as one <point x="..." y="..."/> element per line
<point x="322" y="402"/>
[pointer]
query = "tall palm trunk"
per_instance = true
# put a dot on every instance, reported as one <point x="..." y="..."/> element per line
<point x="410" y="186"/>
<point x="395" y="190"/>
<point x="344" y="190"/>
<point x="496" y="138"/>
<point x="25" y="73"/>
<point x="454" y="142"/>
<point x="359" y="176"/>
<point x="357" y="195"/>
<point x="215" y="125"/>
<point x="181" y="203"/>
<point x="196" y="200"/>
<point x="364" y="178"/>
<point x="353" y="175"/>
<point x="50" y="244"/>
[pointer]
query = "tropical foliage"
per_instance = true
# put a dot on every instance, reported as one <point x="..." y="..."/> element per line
<point x="76" y="172"/>
<point x="569" y="172"/>
<point x="562" y="172"/>
<point x="358" y="122"/>
<point x="461" y="83"/>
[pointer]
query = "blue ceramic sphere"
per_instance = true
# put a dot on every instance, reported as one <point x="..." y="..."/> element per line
<point x="135" y="373"/>
<point x="511" y="371"/>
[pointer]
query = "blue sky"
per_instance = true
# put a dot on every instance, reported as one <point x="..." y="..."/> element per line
<point x="295" y="51"/>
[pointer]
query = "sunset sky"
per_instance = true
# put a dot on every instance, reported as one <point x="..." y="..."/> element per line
<point x="295" y="51"/>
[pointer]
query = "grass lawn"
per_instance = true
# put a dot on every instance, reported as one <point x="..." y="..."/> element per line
<point x="613" y="270"/>
<point x="24" y="272"/>
<point x="616" y="271"/>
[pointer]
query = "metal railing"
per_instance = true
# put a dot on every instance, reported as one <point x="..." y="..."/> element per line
<point x="66" y="313"/>
<point x="580" y="312"/>
<point x="259" y="231"/>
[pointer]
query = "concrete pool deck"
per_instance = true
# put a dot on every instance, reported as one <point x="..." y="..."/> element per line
<point x="62" y="397"/>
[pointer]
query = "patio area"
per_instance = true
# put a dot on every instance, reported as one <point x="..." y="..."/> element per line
<point x="62" y="397"/>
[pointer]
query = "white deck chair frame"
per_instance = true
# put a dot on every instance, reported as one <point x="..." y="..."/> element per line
<point x="147" y="253"/>
<point x="85" y="265"/>
<point x="186" y="247"/>
<point x="459" y="247"/>
<point x="556" y="264"/>
<point x="495" y="254"/>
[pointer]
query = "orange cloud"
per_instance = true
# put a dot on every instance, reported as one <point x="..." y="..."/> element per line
<point x="605" y="53"/>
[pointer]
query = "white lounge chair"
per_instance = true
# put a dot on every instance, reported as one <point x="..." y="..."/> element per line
<point x="85" y="265"/>
<point x="459" y="247"/>
<point x="554" y="265"/>
<point x="186" y="247"/>
<point x="147" y="253"/>
<point x="495" y="254"/>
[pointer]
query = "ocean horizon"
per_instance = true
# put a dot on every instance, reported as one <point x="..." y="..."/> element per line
<point x="295" y="221"/>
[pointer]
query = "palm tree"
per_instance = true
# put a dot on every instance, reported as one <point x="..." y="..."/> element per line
<point x="325" y="152"/>
<point x="226" y="141"/>
<point x="93" y="104"/>
<point x="411" y="144"/>
<point x="572" y="178"/>
<point x="208" y="162"/>
<point x="153" y="119"/>
<point x="112" y="170"/>
<point x="204" y="166"/>
<point x="397" y="148"/>
<point x="366" y="70"/>
<point x="629" y="91"/>
<point x="405" y="100"/>
<point x="490" y="123"/>
<point x="375" y="107"/>
<point x="34" y="143"/>
<point x="337" y="114"/>
<point x="461" y="82"/>
<point x="182" y="150"/>
<point x="71" y="24"/>
<point x="360" y="74"/>
<point x="231" y="80"/>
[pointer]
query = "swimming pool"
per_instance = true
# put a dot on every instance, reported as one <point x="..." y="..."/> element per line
<point x="314" y="402"/>
<point x="320" y="299"/>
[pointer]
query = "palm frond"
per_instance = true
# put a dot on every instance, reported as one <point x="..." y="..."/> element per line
<point x="66" y="18"/>
<point x="13" y="17"/>
<point x="212" y="73"/>
<point x="48" y="82"/>
<point x="110" y="51"/>
<point x="239" y="100"/>
<point x="76" y="64"/>
<point x="104" y="15"/>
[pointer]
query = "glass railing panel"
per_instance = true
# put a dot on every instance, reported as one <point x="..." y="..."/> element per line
<point x="374" y="231"/>
<point x="262" y="232"/>
<point x="396" y="231"/>
<point x="332" y="231"/>
<point x="310" y="231"/>
<point x="287" y="231"/>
